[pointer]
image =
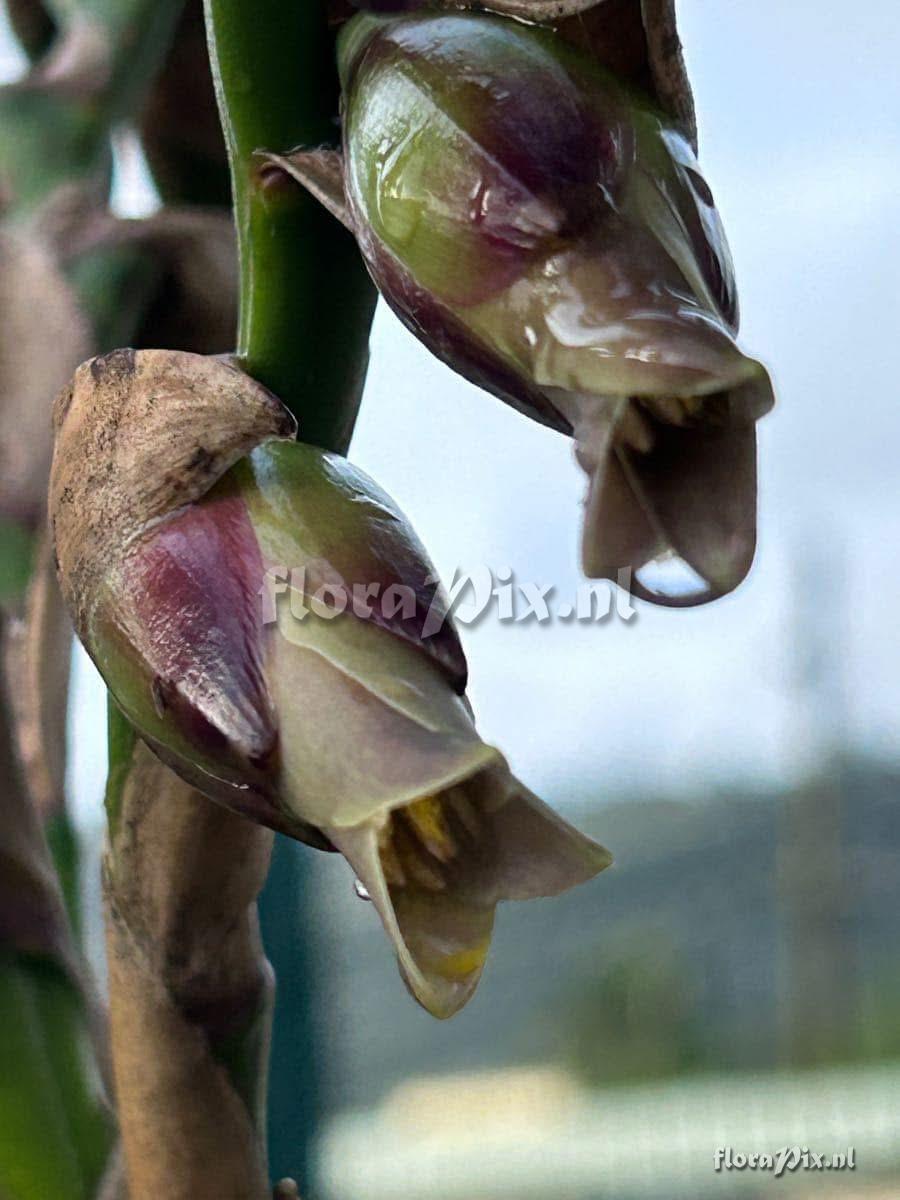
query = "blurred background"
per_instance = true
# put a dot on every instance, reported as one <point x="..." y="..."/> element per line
<point x="734" y="980"/>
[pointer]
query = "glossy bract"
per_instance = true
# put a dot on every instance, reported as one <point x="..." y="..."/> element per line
<point x="547" y="232"/>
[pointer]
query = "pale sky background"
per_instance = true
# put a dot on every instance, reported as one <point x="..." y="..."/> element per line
<point x="799" y="112"/>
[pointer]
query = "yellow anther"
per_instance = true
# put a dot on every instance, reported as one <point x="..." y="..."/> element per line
<point x="428" y="822"/>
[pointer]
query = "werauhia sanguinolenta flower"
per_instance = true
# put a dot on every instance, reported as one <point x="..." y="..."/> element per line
<point x="546" y="231"/>
<point x="266" y="618"/>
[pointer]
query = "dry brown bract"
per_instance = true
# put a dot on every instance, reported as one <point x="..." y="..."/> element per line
<point x="139" y="434"/>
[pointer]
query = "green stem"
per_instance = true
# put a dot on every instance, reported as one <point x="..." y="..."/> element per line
<point x="306" y="301"/>
<point x="305" y="315"/>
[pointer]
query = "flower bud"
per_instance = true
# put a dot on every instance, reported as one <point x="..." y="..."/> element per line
<point x="272" y="627"/>
<point x="546" y="231"/>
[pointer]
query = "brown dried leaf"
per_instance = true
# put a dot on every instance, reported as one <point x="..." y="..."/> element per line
<point x="43" y="335"/>
<point x="673" y="88"/>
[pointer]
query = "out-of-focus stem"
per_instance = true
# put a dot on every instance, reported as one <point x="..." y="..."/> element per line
<point x="306" y="301"/>
<point x="180" y="128"/>
<point x="32" y="24"/>
<point x="55" y="127"/>
<point x="38" y="662"/>
<point x="190" y="988"/>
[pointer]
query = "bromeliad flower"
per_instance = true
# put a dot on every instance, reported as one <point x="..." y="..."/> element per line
<point x="258" y="609"/>
<point x="546" y="231"/>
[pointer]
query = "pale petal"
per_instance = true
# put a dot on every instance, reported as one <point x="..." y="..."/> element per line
<point x="700" y="487"/>
<point x="535" y="852"/>
<point x="514" y="848"/>
<point x="617" y="533"/>
<point x="615" y="318"/>
<point x="369" y="721"/>
<point x="440" y="939"/>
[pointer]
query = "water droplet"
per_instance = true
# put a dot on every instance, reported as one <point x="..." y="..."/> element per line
<point x="670" y="577"/>
<point x="360" y="889"/>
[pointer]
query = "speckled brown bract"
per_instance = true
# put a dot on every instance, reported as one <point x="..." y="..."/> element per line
<point x="138" y="434"/>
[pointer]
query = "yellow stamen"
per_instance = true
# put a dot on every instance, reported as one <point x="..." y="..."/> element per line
<point x="419" y="868"/>
<point x="429" y="823"/>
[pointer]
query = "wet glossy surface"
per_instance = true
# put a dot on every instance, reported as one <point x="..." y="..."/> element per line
<point x="549" y="234"/>
<point x="472" y="149"/>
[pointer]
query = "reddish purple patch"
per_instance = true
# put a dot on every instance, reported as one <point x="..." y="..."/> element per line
<point x="551" y="126"/>
<point x="195" y="587"/>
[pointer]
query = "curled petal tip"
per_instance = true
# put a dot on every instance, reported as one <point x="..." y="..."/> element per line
<point x="681" y="520"/>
